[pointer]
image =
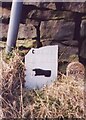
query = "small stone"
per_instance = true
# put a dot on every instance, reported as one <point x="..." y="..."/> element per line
<point x="75" y="70"/>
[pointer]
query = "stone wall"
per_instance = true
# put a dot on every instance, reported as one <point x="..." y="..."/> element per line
<point x="60" y="23"/>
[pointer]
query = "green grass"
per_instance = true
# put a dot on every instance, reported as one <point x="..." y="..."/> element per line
<point x="22" y="46"/>
<point x="25" y="43"/>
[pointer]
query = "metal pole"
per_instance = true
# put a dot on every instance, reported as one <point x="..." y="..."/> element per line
<point x="14" y="24"/>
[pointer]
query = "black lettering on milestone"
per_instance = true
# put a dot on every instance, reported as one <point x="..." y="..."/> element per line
<point x="40" y="72"/>
<point x="33" y="51"/>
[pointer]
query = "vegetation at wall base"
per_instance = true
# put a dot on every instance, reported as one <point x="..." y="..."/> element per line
<point x="62" y="99"/>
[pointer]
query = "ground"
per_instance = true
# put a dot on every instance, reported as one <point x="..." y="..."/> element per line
<point x="64" y="98"/>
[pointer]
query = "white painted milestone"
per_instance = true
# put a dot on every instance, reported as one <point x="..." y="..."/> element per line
<point x="41" y="66"/>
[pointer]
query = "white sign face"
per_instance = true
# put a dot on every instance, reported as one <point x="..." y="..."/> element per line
<point x="41" y="66"/>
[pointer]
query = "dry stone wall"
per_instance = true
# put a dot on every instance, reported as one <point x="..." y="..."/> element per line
<point x="60" y="23"/>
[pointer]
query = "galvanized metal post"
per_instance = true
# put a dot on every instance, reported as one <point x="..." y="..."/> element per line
<point x="14" y="24"/>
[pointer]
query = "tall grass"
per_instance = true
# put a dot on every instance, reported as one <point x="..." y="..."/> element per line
<point x="62" y="99"/>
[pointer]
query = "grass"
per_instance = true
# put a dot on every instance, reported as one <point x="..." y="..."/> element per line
<point x="62" y="99"/>
<point x="25" y="43"/>
<point x="22" y="46"/>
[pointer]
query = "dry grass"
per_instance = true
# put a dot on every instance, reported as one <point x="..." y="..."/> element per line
<point x="12" y="83"/>
<point x="63" y="98"/>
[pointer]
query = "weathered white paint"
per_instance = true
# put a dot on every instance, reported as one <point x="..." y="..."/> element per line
<point x="45" y="58"/>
